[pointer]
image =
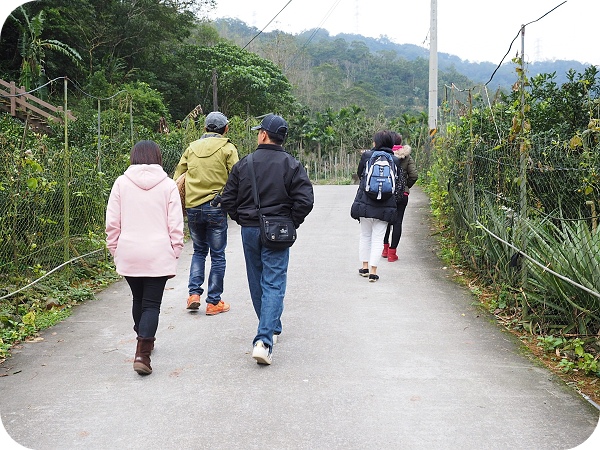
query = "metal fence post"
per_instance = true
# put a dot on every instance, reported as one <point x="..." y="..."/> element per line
<point x="523" y="158"/>
<point x="67" y="172"/>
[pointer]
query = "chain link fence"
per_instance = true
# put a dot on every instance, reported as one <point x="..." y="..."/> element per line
<point x="525" y="214"/>
<point x="54" y="188"/>
<point x="52" y="199"/>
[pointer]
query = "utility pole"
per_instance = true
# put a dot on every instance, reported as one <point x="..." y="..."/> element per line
<point x="433" y="70"/>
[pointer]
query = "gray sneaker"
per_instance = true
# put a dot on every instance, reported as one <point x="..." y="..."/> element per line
<point x="262" y="354"/>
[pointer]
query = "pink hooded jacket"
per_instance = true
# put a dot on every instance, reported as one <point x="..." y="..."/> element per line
<point x="144" y="222"/>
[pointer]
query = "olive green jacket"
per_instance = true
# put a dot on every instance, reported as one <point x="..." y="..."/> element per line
<point x="207" y="163"/>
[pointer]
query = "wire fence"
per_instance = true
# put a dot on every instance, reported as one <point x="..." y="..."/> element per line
<point x="332" y="169"/>
<point x="525" y="214"/>
<point x="53" y="191"/>
<point x="52" y="202"/>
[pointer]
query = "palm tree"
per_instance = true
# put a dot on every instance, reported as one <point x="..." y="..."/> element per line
<point x="33" y="49"/>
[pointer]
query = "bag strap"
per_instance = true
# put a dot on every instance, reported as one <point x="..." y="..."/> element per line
<point x="253" y="179"/>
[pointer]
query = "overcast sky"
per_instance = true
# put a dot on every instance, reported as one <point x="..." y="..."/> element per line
<point x="474" y="30"/>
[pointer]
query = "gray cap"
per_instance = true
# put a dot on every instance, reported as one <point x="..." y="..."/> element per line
<point x="274" y="124"/>
<point x="215" y="120"/>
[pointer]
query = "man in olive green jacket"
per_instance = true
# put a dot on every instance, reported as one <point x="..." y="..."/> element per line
<point x="207" y="163"/>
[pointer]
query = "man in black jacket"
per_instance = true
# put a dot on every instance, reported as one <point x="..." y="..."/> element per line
<point x="283" y="189"/>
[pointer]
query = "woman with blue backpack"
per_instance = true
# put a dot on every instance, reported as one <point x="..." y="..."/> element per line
<point x="374" y="205"/>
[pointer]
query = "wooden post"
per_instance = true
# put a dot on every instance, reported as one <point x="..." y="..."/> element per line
<point x="13" y="99"/>
<point x="214" y="82"/>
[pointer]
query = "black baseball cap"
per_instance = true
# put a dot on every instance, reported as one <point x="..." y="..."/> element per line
<point x="273" y="124"/>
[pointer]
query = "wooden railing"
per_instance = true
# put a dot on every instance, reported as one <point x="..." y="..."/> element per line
<point x="21" y="104"/>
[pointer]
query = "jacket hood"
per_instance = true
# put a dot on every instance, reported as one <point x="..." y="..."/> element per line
<point x="145" y="176"/>
<point x="211" y="143"/>
<point x="402" y="151"/>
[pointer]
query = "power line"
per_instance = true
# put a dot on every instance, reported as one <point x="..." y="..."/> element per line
<point x="257" y="34"/>
<point x="316" y="30"/>
<point x="513" y="41"/>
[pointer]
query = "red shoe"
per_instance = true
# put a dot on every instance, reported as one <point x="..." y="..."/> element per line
<point x="220" y="307"/>
<point x="392" y="255"/>
<point x="384" y="253"/>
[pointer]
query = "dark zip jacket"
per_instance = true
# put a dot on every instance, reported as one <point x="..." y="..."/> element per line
<point x="282" y="182"/>
<point x="365" y="206"/>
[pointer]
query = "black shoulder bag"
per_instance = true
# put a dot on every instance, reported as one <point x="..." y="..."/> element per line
<point x="276" y="232"/>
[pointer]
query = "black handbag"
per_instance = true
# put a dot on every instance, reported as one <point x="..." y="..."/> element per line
<point x="276" y="232"/>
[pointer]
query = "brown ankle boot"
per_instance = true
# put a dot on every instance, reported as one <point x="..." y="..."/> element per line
<point x="141" y="363"/>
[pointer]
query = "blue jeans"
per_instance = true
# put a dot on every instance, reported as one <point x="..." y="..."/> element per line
<point x="208" y="230"/>
<point x="267" y="279"/>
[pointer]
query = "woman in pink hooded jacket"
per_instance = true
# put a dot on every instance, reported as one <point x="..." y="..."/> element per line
<point x="144" y="229"/>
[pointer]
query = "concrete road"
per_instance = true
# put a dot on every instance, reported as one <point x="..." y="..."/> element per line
<point x="405" y="363"/>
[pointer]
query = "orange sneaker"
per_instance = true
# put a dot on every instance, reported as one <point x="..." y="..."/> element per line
<point x="220" y="307"/>
<point x="193" y="301"/>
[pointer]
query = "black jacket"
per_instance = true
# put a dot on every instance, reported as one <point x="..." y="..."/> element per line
<point x="282" y="182"/>
<point x="365" y="206"/>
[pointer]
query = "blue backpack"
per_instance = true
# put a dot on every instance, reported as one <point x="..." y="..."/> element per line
<point x="380" y="176"/>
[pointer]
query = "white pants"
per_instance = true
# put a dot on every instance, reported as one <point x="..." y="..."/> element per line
<point x="370" y="244"/>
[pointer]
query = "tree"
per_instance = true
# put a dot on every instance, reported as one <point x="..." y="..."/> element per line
<point x="566" y="108"/>
<point x="246" y="83"/>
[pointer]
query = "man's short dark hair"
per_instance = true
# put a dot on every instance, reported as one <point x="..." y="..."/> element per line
<point x="218" y="130"/>
<point x="275" y="138"/>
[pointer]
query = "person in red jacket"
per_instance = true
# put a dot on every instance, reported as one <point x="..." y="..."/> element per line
<point x="144" y="233"/>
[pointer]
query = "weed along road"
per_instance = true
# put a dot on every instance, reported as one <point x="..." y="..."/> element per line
<point x="407" y="362"/>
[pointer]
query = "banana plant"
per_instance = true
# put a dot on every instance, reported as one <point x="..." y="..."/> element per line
<point x="33" y="47"/>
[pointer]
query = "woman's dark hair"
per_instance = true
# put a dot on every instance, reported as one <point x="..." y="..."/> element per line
<point x="146" y="152"/>
<point x="383" y="139"/>
<point x="397" y="138"/>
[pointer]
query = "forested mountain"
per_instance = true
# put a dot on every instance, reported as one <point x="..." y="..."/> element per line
<point x="343" y="56"/>
<point x="479" y="72"/>
<point x="334" y="73"/>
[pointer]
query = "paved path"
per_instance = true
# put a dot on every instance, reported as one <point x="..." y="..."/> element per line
<point x="405" y="363"/>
